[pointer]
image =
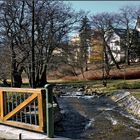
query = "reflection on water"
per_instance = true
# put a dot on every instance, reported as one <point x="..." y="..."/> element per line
<point x="96" y="118"/>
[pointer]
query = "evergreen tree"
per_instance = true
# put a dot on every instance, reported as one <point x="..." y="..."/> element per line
<point x="85" y="37"/>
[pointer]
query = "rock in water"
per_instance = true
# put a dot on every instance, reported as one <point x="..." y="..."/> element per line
<point x="119" y="95"/>
<point x="127" y="101"/>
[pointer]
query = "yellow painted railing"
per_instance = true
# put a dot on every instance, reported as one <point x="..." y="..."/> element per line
<point x="24" y="108"/>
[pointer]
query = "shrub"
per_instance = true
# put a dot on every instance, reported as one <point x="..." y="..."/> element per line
<point x="136" y="85"/>
<point x="124" y="85"/>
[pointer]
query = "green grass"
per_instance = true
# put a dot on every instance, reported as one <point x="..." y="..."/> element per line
<point x="137" y="95"/>
<point x="76" y="82"/>
<point x="112" y="85"/>
<point x="25" y="85"/>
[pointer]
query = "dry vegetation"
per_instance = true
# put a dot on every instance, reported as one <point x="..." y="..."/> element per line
<point x="95" y="73"/>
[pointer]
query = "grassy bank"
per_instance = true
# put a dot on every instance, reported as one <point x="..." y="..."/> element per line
<point x="97" y="85"/>
<point x="112" y="85"/>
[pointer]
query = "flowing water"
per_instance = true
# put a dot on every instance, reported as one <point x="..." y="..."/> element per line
<point x="96" y="118"/>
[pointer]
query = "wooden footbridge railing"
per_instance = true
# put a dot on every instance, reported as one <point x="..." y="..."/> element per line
<point x="27" y="108"/>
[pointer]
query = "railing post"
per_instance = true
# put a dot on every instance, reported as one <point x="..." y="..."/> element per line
<point x="49" y="111"/>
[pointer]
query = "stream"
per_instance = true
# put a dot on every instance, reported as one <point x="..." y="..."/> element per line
<point x="95" y="118"/>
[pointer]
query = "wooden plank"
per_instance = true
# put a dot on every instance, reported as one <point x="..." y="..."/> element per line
<point x="40" y="129"/>
<point x="21" y="90"/>
<point x="44" y="109"/>
<point x="20" y="106"/>
<point x="24" y="125"/>
<point x="1" y="105"/>
<point x="40" y="111"/>
<point x="4" y="103"/>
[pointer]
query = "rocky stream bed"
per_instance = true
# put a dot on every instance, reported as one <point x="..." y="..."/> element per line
<point x="98" y="116"/>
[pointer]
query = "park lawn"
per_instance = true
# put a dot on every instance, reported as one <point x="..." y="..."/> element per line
<point x="112" y="85"/>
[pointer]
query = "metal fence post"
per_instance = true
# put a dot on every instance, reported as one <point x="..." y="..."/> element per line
<point x="49" y="111"/>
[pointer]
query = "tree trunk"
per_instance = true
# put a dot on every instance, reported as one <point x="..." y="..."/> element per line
<point x="41" y="80"/>
<point x="13" y="64"/>
<point x="107" y="66"/>
<point x="82" y="71"/>
<point x="74" y="71"/>
<point x="111" y="55"/>
<point x="127" y="56"/>
<point x="86" y="65"/>
<point x="16" y="79"/>
<point x="5" y="83"/>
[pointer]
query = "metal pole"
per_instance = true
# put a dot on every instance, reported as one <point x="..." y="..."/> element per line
<point x="49" y="111"/>
<point x="103" y="69"/>
<point x="32" y="51"/>
<point x="20" y="136"/>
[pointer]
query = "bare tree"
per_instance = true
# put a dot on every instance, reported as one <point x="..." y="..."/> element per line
<point x="5" y="65"/>
<point x="13" y="24"/>
<point x="70" y="57"/>
<point x="104" y="22"/>
<point x="127" y="20"/>
<point x="53" y="21"/>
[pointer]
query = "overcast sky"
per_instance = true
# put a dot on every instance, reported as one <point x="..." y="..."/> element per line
<point x="101" y="6"/>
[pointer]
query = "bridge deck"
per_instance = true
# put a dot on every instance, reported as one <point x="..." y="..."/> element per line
<point x="8" y="132"/>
